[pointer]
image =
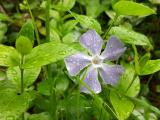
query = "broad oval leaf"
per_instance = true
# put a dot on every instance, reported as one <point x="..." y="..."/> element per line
<point x="23" y="45"/>
<point x="9" y="56"/>
<point x="68" y="26"/>
<point x="130" y="36"/>
<point x="88" y="22"/>
<point x="121" y="105"/>
<point x="47" y="53"/>
<point x="64" y="5"/>
<point x="62" y="82"/>
<point x="132" y="8"/>
<point x="150" y="67"/>
<point x="27" y="30"/>
<point x="131" y="87"/>
<point x="13" y="105"/>
<point x="30" y="75"/>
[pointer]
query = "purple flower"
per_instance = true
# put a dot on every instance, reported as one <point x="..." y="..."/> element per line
<point x="110" y="74"/>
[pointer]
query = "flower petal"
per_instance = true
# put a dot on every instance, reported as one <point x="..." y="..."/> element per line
<point x="75" y="63"/>
<point x="114" y="49"/>
<point x="111" y="73"/>
<point x="91" y="80"/>
<point x="92" y="41"/>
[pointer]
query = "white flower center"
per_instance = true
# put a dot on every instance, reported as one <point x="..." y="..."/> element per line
<point x="97" y="61"/>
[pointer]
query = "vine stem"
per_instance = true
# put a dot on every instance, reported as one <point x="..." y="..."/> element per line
<point x="53" y="100"/>
<point x="33" y="20"/>
<point x="22" y="79"/>
<point x="47" y="20"/>
<point x="137" y="68"/>
<point x="22" y="72"/>
<point x="110" y="26"/>
<point x="92" y="93"/>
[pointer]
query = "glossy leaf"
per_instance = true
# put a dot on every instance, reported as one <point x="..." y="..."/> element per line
<point x="130" y="36"/>
<point x="23" y="45"/>
<point x="88" y="22"/>
<point x="47" y="53"/>
<point x="71" y="37"/>
<point x="121" y="105"/>
<point x="95" y="7"/>
<point x="150" y="67"/>
<point x="64" y="5"/>
<point x="9" y="56"/>
<point x="13" y="105"/>
<point x="68" y="26"/>
<point x="30" y="75"/>
<point x="132" y="8"/>
<point x="132" y="84"/>
<point x="27" y="30"/>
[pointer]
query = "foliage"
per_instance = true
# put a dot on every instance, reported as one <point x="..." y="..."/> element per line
<point x="36" y="36"/>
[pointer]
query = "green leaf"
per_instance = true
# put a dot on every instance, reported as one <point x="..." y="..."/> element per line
<point x="157" y="2"/>
<point x="143" y="60"/>
<point x="95" y="7"/>
<point x="44" y="87"/>
<point x="71" y="37"/>
<point x="27" y="30"/>
<point x="122" y="105"/>
<point x="4" y="17"/>
<point x="88" y="22"/>
<point x="132" y="84"/>
<point x="64" y="5"/>
<point x="13" y="105"/>
<point x="132" y="8"/>
<point x="9" y="56"/>
<point x="136" y="60"/>
<point x="71" y="107"/>
<point x="47" y="53"/>
<point x="145" y="104"/>
<point x="3" y="30"/>
<point x="68" y="26"/>
<point x="2" y="75"/>
<point x="30" y="75"/>
<point x="150" y="67"/>
<point x="23" y="45"/>
<point x="40" y="116"/>
<point x="130" y="36"/>
<point x="54" y="36"/>
<point x="62" y="82"/>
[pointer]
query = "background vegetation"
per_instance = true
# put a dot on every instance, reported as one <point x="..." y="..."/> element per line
<point x="34" y="82"/>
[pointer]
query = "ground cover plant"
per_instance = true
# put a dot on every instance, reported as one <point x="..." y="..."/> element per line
<point x="79" y="60"/>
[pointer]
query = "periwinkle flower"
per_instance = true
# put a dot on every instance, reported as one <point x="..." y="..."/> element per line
<point x="110" y="74"/>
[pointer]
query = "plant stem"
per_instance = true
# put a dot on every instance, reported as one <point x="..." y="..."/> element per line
<point x="22" y="81"/>
<point x="47" y="20"/>
<point x="78" y="96"/>
<point x="53" y="101"/>
<point x="95" y="95"/>
<point x="136" y="60"/>
<point x="110" y="26"/>
<point x="33" y="20"/>
<point x="22" y="72"/>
